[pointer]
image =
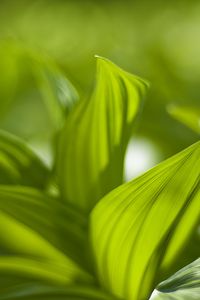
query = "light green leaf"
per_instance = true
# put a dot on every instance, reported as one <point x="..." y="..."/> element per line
<point x="19" y="164"/>
<point x="190" y="116"/>
<point x="42" y="292"/>
<point x="183" y="285"/>
<point x="139" y="229"/>
<point x="38" y="236"/>
<point x="94" y="139"/>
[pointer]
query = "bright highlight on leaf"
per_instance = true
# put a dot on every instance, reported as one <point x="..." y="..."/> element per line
<point x="139" y="229"/>
<point x="183" y="285"/>
<point x="94" y="139"/>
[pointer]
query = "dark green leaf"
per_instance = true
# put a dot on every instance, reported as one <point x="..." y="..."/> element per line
<point x="19" y="164"/>
<point x="32" y="292"/>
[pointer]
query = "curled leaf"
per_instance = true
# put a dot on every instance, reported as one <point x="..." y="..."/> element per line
<point x="183" y="285"/>
<point x="93" y="142"/>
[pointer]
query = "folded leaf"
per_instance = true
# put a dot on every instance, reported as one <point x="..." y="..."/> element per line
<point x="93" y="142"/>
<point x="19" y="164"/>
<point x="37" y="232"/>
<point x="42" y="292"/>
<point x="190" y="116"/>
<point x="183" y="285"/>
<point x="139" y="229"/>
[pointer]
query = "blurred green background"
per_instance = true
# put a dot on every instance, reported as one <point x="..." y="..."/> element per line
<point x="157" y="40"/>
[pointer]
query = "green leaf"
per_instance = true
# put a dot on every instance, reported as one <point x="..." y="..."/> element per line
<point x="93" y="142"/>
<point x="45" y="215"/>
<point x="38" y="237"/>
<point x="190" y="116"/>
<point x="58" y="94"/>
<point x="19" y="164"/>
<point x="18" y="269"/>
<point x="139" y="229"/>
<point x="59" y="97"/>
<point x="41" y="292"/>
<point x="35" y="96"/>
<point x="183" y="285"/>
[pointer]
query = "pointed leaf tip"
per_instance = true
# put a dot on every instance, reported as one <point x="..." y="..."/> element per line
<point x="93" y="142"/>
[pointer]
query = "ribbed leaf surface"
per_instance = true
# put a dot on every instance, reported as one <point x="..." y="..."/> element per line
<point x="38" y="239"/>
<point x="93" y="142"/>
<point x="138" y="229"/>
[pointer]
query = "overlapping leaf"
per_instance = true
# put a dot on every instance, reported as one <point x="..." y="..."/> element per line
<point x="17" y="270"/>
<point x="183" y="285"/>
<point x="138" y="230"/>
<point x="19" y="164"/>
<point x="39" y="238"/>
<point x="93" y="142"/>
<point x="190" y="117"/>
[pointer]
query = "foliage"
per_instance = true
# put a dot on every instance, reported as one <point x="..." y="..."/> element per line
<point x="155" y="39"/>
<point x="74" y="229"/>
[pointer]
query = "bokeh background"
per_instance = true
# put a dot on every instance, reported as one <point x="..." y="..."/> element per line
<point x="157" y="40"/>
